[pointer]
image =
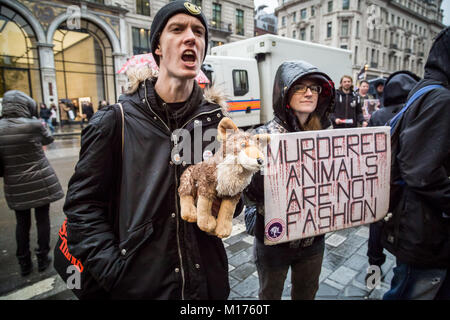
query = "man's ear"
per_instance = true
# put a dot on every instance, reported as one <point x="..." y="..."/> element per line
<point x="158" y="50"/>
<point x="226" y="125"/>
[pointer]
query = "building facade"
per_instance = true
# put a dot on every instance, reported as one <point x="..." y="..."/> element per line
<point x="73" y="49"/>
<point x="385" y="35"/>
<point x="265" y="22"/>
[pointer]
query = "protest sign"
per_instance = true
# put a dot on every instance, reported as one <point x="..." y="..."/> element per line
<point x="321" y="181"/>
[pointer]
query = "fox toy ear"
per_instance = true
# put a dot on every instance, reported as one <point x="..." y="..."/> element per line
<point x="226" y="125"/>
<point x="262" y="139"/>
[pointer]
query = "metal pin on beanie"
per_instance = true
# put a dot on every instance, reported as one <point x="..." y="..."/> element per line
<point x="165" y="13"/>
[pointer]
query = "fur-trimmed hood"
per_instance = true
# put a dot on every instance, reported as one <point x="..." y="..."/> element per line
<point x="136" y="75"/>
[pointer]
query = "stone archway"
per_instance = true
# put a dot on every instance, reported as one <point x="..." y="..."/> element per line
<point x="84" y="64"/>
<point x="20" y="38"/>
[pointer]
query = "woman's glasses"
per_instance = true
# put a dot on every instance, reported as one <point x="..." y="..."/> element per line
<point x="302" y="88"/>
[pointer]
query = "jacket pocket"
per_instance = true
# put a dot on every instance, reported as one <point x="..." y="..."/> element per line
<point x="135" y="239"/>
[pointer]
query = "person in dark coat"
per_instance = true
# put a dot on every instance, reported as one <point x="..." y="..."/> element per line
<point x="396" y="90"/>
<point x="87" y="112"/>
<point x="418" y="234"/>
<point x="46" y="114"/>
<point x="145" y="250"/>
<point x="347" y="106"/>
<point x="29" y="180"/>
<point x="303" y="97"/>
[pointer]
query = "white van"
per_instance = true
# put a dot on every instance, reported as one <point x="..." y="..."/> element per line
<point x="246" y="70"/>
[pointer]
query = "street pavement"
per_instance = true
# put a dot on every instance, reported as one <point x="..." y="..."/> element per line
<point x="342" y="276"/>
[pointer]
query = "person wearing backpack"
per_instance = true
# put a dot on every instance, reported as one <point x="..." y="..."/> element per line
<point x="396" y="90"/>
<point x="418" y="233"/>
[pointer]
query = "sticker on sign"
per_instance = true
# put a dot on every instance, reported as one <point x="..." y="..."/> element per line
<point x="321" y="181"/>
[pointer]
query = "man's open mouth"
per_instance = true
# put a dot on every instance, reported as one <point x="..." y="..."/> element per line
<point x="188" y="56"/>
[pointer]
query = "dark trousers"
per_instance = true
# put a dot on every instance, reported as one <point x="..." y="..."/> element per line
<point x="374" y="247"/>
<point x="23" y="218"/>
<point x="414" y="283"/>
<point x="273" y="262"/>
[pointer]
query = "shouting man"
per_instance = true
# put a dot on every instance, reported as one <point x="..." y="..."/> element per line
<point x="143" y="250"/>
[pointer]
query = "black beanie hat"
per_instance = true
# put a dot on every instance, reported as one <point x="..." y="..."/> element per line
<point x="165" y="13"/>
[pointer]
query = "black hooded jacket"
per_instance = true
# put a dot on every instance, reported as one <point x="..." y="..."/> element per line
<point x="29" y="179"/>
<point x="419" y="232"/>
<point x="285" y="121"/>
<point x="149" y="252"/>
<point x="396" y="90"/>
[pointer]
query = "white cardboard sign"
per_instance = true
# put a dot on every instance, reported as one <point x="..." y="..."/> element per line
<point x="321" y="181"/>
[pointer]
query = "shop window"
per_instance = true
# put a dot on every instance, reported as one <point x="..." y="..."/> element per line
<point x="240" y="82"/>
<point x="84" y="65"/>
<point x="19" y="63"/>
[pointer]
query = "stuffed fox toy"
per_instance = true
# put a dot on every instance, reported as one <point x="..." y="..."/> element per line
<point x="224" y="175"/>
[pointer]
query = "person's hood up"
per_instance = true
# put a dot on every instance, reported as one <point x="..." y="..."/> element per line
<point x="17" y="104"/>
<point x="437" y="66"/>
<point x="287" y="75"/>
<point x="398" y="86"/>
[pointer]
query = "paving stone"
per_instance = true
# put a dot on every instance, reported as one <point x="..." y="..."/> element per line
<point x="362" y="250"/>
<point x="334" y="284"/>
<point x="354" y="292"/>
<point x="248" y="288"/>
<point x="230" y="267"/>
<point x="233" y="281"/>
<point x="335" y="240"/>
<point x="326" y="291"/>
<point x="324" y="273"/>
<point x="360" y="278"/>
<point x="345" y="232"/>
<point x="287" y="291"/>
<point x="343" y="275"/>
<point x="235" y="238"/>
<point x="240" y="258"/>
<point x="238" y="228"/>
<point x="363" y="232"/>
<point x="234" y="295"/>
<point x="332" y="261"/>
<point x="249" y="239"/>
<point x="357" y="262"/>
<point x="243" y="271"/>
<point x="349" y="247"/>
<point x="236" y="247"/>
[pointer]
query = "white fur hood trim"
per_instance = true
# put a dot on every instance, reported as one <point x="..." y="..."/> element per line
<point x="137" y="74"/>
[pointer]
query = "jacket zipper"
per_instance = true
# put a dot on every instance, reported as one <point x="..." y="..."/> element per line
<point x="180" y="256"/>
<point x="183" y="280"/>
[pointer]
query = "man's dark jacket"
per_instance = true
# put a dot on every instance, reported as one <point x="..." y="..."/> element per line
<point x="396" y="91"/>
<point x="148" y="252"/>
<point x="347" y="106"/>
<point x="419" y="232"/>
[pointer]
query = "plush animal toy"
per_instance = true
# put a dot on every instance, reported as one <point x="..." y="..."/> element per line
<point x="224" y="175"/>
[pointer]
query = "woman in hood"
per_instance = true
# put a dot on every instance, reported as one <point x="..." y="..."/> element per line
<point x="302" y="101"/>
<point x="29" y="180"/>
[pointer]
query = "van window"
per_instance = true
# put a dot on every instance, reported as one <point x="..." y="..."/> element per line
<point x="240" y="82"/>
